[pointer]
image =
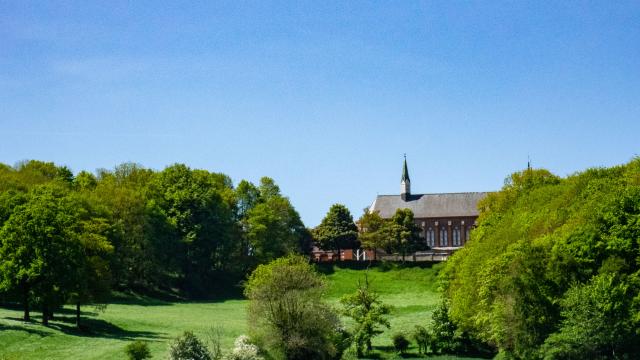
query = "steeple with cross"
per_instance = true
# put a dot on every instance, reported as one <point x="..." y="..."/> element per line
<point x="405" y="183"/>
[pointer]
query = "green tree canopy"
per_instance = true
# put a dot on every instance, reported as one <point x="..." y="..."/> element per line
<point x="370" y="227"/>
<point x="179" y="229"/>
<point x="286" y="313"/>
<point x="41" y="251"/>
<point x="337" y="230"/>
<point x="528" y="275"/>
<point x="369" y="314"/>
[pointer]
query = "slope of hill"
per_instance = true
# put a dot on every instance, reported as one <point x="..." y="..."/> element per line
<point x="411" y="290"/>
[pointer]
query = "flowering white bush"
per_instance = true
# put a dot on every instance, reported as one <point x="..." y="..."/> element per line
<point x="244" y="350"/>
<point x="188" y="347"/>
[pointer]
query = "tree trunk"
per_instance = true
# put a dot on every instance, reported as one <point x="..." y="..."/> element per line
<point x="369" y="347"/>
<point x="45" y="314"/>
<point x="78" y="315"/>
<point x="25" y="302"/>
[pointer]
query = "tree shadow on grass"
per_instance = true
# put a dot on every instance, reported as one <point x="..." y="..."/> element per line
<point x="141" y="299"/>
<point x="90" y="327"/>
<point x="26" y="329"/>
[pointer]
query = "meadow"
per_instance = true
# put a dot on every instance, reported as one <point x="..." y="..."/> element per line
<point x="411" y="290"/>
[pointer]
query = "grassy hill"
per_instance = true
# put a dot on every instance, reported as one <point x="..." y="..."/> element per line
<point x="411" y="290"/>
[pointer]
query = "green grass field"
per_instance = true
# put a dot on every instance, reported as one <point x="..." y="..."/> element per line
<point x="412" y="292"/>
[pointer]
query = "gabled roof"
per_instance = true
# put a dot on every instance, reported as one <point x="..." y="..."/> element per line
<point x="430" y="205"/>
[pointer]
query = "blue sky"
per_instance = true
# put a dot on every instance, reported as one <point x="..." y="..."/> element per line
<point x="324" y="97"/>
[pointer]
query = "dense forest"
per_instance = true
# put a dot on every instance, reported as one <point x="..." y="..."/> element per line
<point x="72" y="238"/>
<point x="553" y="268"/>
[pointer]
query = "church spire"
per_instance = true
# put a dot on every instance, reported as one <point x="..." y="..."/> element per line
<point x="405" y="183"/>
<point x="405" y="170"/>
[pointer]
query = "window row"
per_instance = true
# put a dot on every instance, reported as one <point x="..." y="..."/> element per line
<point x="444" y="236"/>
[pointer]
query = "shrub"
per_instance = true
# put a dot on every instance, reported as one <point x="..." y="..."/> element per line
<point x="137" y="350"/>
<point x="342" y="340"/>
<point x="400" y="343"/>
<point x="587" y="329"/>
<point x="188" y="347"/>
<point x="422" y="338"/>
<point x="243" y="350"/>
<point x="368" y="312"/>
<point x="288" y="317"/>
<point x="213" y="338"/>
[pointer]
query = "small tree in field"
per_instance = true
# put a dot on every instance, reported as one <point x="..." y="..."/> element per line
<point x="188" y="347"/>
<point x="400" y="343"/>
<point x="368" y="312"/>
<point x="287" y="315"/>
<point x="137" y="350"/>
<point x="423" y="338"/>
<point x="243" y="349"/>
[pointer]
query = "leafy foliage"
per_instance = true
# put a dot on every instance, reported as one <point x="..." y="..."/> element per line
<point x="287" y="315"/>
<point x="42" y="248"/>
<point x="400" y="234"/>
<point x="370" y="225"/>
<point x="587" y="326"/>
<point x="243" y="349"/>
<point x="137" y="350"/>
<point x="529" y="275"/>
<point x="422" y="338"/>
<point x="400" y="342"/>
<point x="188" y="347"/>
<point x="369" y="314"/>
<point x="337" y="230"/>
<point x="66" y="239"/>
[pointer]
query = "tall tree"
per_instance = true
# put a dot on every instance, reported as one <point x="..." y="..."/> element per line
<point x="140" y="232"/>
<point x="404" y="231"/>
<point x="337" y="230"/>
<point x="194" y="203"/>
<point x="93" y="275"/>
<point x="40" y="250"/>
<point x="247" y="196"/>
<point x="401" y="234"/>
<point x="273" y="226"/>
<point x="370" y="227"/>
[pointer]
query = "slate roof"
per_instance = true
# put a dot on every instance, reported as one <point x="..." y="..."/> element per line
<point x="430" y="205"/>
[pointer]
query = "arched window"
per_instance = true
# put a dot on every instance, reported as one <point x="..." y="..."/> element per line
<point x="456" y="236"/>
<point x="431" y="237"/>
<point x="443" y="236"/>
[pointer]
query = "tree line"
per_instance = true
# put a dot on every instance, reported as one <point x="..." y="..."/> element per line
<point x="398" y="235"/>
<point x="72" y="238"/>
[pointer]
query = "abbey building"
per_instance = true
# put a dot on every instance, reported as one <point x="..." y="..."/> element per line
<point x="446" y="219"/>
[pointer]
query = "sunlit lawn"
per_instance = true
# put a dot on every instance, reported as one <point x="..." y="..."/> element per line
<point x="412" y="292"/>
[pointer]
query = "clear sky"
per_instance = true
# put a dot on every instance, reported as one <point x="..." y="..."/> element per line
<point x="324" y="97"/>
